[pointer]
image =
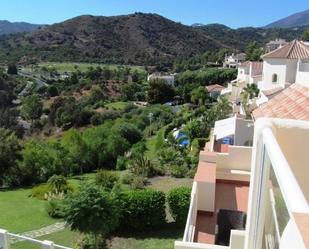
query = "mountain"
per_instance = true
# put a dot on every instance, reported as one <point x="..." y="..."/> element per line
<point x="241" y="37"/>
<point x="7" y="27"/>
<point x="140" y="39"/>
<point x="296" y="20"/>
<point x="137" y="38"/>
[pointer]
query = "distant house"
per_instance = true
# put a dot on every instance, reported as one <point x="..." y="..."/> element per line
<point x="214" y="90"/>
<point x="170" y="79"/>
<point x="273" y="45"/>
<point x="233" y="60"/>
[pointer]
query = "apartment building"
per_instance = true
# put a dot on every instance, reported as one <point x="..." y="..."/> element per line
<point x="258" y="197"/>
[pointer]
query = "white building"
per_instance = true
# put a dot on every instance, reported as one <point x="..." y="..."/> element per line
<point x="274" y="44"/>
<point x="234" y="60"/>
<point x="256" y="197"/>
<point x="282" y="67"/>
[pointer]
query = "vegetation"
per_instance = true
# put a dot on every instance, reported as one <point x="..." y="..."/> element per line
<point x="179" y="201"/>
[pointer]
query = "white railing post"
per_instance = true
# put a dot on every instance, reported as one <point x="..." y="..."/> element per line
<point x="4" y="239"/>
<point x="46" y="244"/>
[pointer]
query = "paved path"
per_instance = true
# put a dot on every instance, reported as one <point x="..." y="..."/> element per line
<point x="41" y="232"/>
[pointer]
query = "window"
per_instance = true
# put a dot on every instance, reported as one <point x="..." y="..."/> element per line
<point x="275" y="78"/>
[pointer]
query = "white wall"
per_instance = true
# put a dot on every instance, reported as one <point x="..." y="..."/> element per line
<point x="238" y="158"/>
<point x="291" y="71"/>
<point x="271" y="67"/>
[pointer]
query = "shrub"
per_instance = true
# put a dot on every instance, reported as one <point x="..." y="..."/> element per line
<point x="40" y="191"/>
<point x="178" y="200"/>
<point x="138" y="182"/>
<point x="178" y="171"/>
<point x="142" y="209"/>
<point x="122" y="163"/>
<point x="56" y="208"/>
<point x="92" y="210"/>
<point x="106" y="179"/>
<point x="127" y="178"/>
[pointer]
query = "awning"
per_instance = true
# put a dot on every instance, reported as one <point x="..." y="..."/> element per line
<point x="225" y="127"/>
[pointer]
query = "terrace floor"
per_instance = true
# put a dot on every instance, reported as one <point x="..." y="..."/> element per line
<point x="229" y="195"/>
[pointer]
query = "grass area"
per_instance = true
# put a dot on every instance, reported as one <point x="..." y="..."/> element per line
<point x="20" y="213"/>
<point x="151" y="144"/>
<point x="65" y="238"/>
<point x="117" y="105"/>
<point x="163" y="239"/>
<point x="72" y="67"/>
<point x="167" y="183"/>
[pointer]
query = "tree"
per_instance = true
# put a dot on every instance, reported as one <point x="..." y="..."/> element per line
<point x="199" y="95"/>
<point x="160" y="91"/>
<point x="52" y="91"/>
<point x="92" y="211"/>
<point x="253" y="52"/>
<point x="32" y="107"/>
<point x="222" y="108"/>
<point x="12" y="69"/>
<point x="9" y="152"/>
<point x="252" y="90"/>
<point x="306" y="35"/>
<point x="77" y="148"/>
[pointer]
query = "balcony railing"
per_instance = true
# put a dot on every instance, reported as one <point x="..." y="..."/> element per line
<point x="190" y="224"/>
<point x="275" y="193"/>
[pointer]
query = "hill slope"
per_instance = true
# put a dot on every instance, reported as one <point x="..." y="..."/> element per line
<point x="141" y="39"/>
<point x="138" y="38"/>
<point x="7" y="27"/>
<point x="296" y="20"/>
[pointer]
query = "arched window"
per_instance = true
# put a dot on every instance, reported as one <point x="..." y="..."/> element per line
<point x="275" y="78"/>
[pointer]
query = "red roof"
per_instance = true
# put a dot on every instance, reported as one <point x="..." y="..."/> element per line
<point x="292" y="50"/>
<point x="291" y="103"/>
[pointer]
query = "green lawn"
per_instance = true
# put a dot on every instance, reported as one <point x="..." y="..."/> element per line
<point x="64" y="238"/>
<point x="20" y="213"/>
<point x="72" y="67"/>
<point x="163" y="239"/>
<point x="117" y="105"/>
<point x="167" y="183"/>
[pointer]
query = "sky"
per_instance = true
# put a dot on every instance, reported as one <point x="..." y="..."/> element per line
<point x="233" y="13"/>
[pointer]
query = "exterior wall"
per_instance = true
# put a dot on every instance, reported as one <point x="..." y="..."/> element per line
<point x="302" y="76"/>
<point x="291" y="69"/>
<point x="238" y="158"/>
<point x="206" y="192"/>
<point x="243" y="73"/>
<point x="243" y="132"/>
<point x="271" y="67"/>
<point x="294" y="144"/>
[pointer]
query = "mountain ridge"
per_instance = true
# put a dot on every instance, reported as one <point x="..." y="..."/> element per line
<point x="298" y="19"/>
<point x="7" y="27"/>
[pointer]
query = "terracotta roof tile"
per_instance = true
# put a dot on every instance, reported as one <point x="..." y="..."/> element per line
<point x="214" y="88"/>
<point x="291" y="103"/>
<point x="292" y="50"/>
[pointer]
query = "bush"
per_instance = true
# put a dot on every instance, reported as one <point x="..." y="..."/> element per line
<point x="106" y="179"/>
<point x="178" y="200"/>
<point x="56" y="208"/>
<point x="178" y="171"/>
<point x="122" y="163"/>
<point x="138" y="182"/>
<point x="41" y="190"/>
<point x="142" y="209"/>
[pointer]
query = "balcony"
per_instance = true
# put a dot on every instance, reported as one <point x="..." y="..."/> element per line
<point x="221" y="183"/>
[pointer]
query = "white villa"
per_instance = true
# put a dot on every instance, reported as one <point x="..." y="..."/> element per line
<point x="234" y="60"/>
<point x="273" y="45"/>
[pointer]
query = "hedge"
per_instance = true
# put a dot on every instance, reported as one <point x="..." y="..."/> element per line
<point x="178" y="200"/>
<point x="142" y="209"/>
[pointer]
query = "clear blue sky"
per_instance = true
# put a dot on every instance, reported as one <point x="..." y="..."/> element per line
<point x="234" y="13"/>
